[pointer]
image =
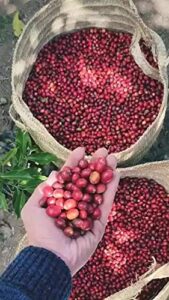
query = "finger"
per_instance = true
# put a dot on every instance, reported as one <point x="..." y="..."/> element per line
<point x="33" y="201"/>
<point x="100" y="225"/>
<point x="75" y="157"/>
<point x="109" y="198"/>
<point x="85" y="245"/>
<point x="52" y="178"/>
<point x="90" y="241"/>
<point x="102" y="152"/>
<point x="98" y="230"/>
<point x="112" y="161"/>
<point x="38" y="193"/>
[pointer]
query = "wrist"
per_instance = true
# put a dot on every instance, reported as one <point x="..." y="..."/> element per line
<point x="53" y="251"/>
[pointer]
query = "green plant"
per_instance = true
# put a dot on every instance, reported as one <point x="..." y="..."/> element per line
<point x="17" y="25"/>
<point x="21" y="170"/>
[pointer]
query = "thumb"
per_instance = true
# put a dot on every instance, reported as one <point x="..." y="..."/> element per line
<point x="109" y="197"/>
<point x="100" y="225"/>
<point x="38" y="192"/>
<point x="91" y="240"/>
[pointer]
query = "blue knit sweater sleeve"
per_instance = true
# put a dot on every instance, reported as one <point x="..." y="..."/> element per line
<point x="36" y="274"/>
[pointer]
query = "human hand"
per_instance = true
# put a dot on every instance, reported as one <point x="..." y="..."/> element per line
<point x="42" y="231"/>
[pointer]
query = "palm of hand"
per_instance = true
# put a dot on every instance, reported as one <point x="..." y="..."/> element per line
<point x="42" y="231"/>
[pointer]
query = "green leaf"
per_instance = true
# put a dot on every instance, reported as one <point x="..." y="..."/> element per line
<point x="17" y="25"/>
<point x="24" y="144"/>
<point x="3" y="202"/>
<point x="30" y="185"/>
<point x="22" y="174"/>
<point x="42" y="158"/>
<point x="23" y="140"/>
<point x="19" y="201"/>
<point x="8" y="156"/>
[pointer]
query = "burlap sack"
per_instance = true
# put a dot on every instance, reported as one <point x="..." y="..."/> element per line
<point x="158" y="171"/>
<point x="65" y="15"/>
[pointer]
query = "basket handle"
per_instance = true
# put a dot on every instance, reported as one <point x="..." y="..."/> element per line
<point x="132" y="5"/>
<point x="13" y="113"/>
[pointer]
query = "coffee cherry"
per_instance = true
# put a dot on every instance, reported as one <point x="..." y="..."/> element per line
<point x="83" y="214"/>
<point x="87" y="225"/>
<point x="53" y="211"/>
<point x="77" y="195"/>
<point x="69" y="232"/>
<point x="107" y="176"/>
<point x="47" y="191"/>
<point x="78" y="223"/>
<point x="87" y="197"/>
<point x="101" y="188"/>
<point x="67" y="195"/>
<point x="98" y="199"/>
<point x="43" y="203"/>
<point x="83" y="163"/>
<point x="70" y="203"/>
<point x="90" y="209"/>
<point x="94" y="177"/>
<point x="76" y="234"/>
<point x="63" y="215"/>
<point x="76" y="170"/>
<point x="75" y="177"/>
<point x="51" y="201"/>
<point x="81" y="183"/>
<point x="91" y="189"/>
<point x="96" y="214"/>
<point x="60" y="223"/>
<point x="58" y="193"/>
<point x="60" y="179"/>
<point x="69" y="186"/>
<point x="82" y="205"/>
<point x="86" y="173"/>
<point x="66" y="174"/>
<point x="59" y="202"/>
<point x="57" y="185"/>
<point x="72" y="214"/>
<point x="101" y="164"/>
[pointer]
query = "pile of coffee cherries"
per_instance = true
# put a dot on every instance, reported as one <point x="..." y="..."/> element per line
<point x="74" y="199"/>
<point x="137" y="231"/>
<point x="87" y="90"/>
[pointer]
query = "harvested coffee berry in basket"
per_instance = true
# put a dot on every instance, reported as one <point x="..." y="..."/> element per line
<point x="87" y="90"/>
<point x="136" y="236"/>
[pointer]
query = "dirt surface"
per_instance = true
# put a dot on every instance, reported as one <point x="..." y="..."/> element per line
<point x="11" y="229"/>
<point x="156" y="15"/>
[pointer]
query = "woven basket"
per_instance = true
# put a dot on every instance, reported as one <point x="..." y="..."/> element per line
<point x="158" y="171"/>
<point x="66" y="15"/>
